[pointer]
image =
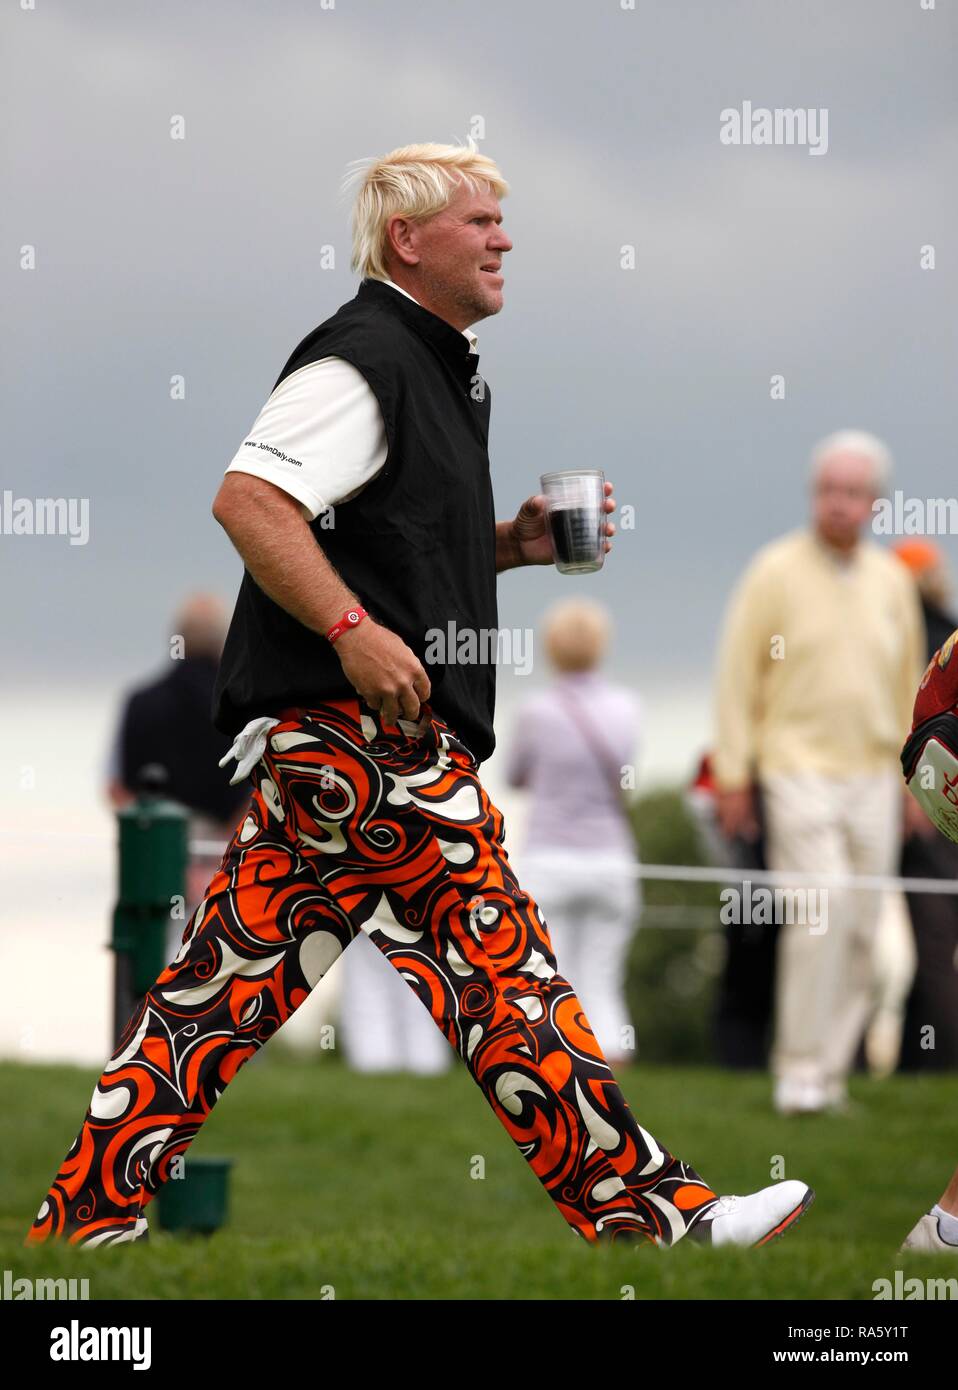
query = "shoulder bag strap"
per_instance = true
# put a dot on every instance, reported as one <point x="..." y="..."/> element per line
<point x="599" y="749"/>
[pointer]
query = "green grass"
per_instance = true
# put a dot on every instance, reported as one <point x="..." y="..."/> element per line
<point x="363" y="1185"/>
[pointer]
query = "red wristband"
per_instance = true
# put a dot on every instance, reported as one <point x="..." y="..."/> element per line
<point x="350" y="618"/>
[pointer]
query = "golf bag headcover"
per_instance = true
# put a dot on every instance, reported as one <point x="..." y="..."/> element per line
<point x="929" y="758"/>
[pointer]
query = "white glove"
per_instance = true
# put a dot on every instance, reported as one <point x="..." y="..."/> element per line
<point x="934" y="785"/>
<point x="248" y="747"/>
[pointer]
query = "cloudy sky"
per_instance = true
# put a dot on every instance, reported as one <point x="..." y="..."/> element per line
<point x="200" y="258"/>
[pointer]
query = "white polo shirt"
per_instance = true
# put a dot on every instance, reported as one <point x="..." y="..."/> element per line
<point x="320" y="436"/>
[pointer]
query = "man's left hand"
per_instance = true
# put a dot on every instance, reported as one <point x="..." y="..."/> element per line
<point x="530" y="530"/>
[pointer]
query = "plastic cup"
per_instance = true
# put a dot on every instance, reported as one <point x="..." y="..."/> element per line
<point x="575" y="507"/>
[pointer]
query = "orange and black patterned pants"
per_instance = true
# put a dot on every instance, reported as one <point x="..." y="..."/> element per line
<point x="355" y="826"/>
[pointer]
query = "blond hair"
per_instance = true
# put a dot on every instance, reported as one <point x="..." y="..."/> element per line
<point x="415" y="181"/>
<point x="577" y="632"/>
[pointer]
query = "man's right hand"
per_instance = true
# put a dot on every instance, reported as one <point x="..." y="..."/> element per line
<point x="278" y="548"/>
<point x="736" y="814"/>
<point x="383" y="670"/>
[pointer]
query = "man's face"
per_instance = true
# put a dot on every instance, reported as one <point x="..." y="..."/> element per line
<point x="842" y="498"/>
<point x="459" y="255"/>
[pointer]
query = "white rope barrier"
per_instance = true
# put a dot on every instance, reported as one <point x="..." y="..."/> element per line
<point x="207" y="849"/>
<point x="786" y="878"/>
<point x="730" y="875"/>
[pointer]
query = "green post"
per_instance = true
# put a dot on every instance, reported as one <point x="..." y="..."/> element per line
<point x="152" y="871"/>
<point x="153" y="846"/>
<point x="198" y="1201"/>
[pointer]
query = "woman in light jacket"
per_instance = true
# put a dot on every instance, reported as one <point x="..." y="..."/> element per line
<point x="574" y="749"/>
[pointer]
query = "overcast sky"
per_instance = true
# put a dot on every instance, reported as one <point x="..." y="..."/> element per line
<point x="201" y="257"/>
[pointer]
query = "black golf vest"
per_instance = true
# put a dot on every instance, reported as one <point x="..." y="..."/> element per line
<point x="416" y="545"/>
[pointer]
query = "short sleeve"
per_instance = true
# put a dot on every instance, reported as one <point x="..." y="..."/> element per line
<point x="320" y="436"/>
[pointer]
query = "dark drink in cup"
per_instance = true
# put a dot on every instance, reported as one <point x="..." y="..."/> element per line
<point x="574" y="531"/>
<point x="576" y="514"/>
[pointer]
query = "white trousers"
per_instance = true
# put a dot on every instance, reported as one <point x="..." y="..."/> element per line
<point x="383" y="1025"/>
<point x="825" y="982"/>
<point x="591" y="905"/>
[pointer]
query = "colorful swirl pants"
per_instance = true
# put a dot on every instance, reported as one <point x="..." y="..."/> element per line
<point x="354" y="826"/>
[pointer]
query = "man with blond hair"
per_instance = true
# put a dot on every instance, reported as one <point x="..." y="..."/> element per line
<point x="821" y="649"/>
<point x="362" y="507"/>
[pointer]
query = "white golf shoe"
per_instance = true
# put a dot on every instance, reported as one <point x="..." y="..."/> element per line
<point x="799" y="1096"/>
<point x="926" y="1237"/>
<point x="805" y="1096"/>
<point x="759" y="1217"/>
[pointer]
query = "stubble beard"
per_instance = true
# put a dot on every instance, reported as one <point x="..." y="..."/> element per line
<point x="464" y="299"/>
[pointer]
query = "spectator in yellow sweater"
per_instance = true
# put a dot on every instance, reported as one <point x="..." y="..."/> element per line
<point x="822" y="646"/>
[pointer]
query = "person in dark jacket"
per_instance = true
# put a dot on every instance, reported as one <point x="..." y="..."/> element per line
<point x="166" y="739"/>
<point x="743" y="1009"/>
